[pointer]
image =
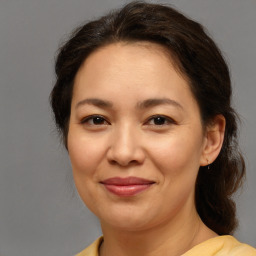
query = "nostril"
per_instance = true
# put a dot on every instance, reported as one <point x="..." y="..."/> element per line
<point x="113" y="162"/>
<point x="125" y="154"/>
<point x="123" y="163"/>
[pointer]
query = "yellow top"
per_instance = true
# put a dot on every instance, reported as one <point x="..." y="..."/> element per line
<point x="218" y="246"/>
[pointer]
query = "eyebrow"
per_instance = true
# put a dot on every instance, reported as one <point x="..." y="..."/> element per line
<point x="95" y="102"/>
<point x="140" y="105"/>
<point x="156" y="102"/>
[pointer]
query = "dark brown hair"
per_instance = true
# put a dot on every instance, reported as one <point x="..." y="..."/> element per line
<point x="199" y="59"/>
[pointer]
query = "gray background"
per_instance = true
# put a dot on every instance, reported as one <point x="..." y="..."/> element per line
<point x="40" y="213"/>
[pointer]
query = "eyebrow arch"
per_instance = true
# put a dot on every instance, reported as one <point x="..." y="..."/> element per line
<point x="156" y="102"/>
<point x="96" y="102"/>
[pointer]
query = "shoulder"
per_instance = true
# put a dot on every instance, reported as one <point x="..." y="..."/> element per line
<point x="91" y="250"/>
<point x="220" y="246"/>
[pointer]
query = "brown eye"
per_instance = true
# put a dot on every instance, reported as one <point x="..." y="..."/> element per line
<point x="94" y="120"/>
<point x="98" y="120"/>
<point x="159" y="120"/>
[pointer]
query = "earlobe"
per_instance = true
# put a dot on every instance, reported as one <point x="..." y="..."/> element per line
<point x="214" y="137"/>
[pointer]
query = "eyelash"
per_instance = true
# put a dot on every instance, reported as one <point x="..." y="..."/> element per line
<point x="92" y="118"/>
<point x="167" y="120"/>
<point x="103" y="121"/>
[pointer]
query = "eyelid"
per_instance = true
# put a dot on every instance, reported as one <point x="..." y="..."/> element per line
<point x="90" y="117"/>
<point x="167" y="118"/>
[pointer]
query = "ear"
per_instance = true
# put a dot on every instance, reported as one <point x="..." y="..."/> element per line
<point x="214" y="137"/>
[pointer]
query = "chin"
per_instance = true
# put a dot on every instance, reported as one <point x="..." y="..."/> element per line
<point x="129" y="225"/>
<point x="126" y="220"/>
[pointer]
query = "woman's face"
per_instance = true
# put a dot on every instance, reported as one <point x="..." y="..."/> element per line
<point x="135" y="137"/>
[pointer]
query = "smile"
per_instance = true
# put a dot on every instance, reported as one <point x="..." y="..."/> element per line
<point x="125" y="187"/>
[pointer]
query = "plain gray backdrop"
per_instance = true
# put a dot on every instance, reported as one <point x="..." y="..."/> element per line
<point x="40" y="212"/>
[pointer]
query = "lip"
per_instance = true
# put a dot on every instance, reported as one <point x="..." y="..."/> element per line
<point x="129" y="186"/>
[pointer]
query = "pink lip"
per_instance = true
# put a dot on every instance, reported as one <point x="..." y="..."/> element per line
<point x="129" y="186"/>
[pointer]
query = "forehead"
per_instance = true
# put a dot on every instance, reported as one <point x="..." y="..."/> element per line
<point x="140" y="47"/>
<point x="124" y="53"/>
<point x="135" y="68"/>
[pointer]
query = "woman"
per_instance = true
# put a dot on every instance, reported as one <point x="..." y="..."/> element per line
<point x="142" y="100"/>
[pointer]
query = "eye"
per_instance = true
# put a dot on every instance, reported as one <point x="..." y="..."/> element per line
<point x="95" y="120"/>
<point x="160" y="120"/>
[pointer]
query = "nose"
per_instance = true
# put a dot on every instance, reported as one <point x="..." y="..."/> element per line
<point x="125" y="147"/>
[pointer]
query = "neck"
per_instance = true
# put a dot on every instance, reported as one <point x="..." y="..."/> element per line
<point x="175" y="237"/>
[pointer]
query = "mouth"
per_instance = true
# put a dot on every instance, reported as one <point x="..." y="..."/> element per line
<point x="126" y="187"/>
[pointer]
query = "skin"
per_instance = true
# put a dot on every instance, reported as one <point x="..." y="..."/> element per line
<point x="163" y="142"/>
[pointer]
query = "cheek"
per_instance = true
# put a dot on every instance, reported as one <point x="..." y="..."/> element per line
<point x="85" y="154"/>
<point x="176" y="154"/>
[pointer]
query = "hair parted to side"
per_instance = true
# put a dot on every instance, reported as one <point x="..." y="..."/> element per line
<point x="199" y="59"/>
